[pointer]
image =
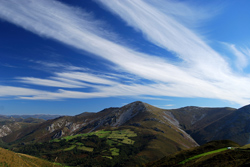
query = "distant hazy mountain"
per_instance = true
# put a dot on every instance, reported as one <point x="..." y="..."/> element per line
<point x="38" y="116"/>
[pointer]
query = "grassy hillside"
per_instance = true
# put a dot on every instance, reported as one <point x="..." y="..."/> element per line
<point x="11" y="159"/>
<point x="123" y="146"/>
<point x="215" y="153"/>
<point x="114" y="147"/>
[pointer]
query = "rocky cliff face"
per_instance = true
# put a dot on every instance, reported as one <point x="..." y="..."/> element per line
<point x="8" y="129"/>
<point x="8" y="125"/>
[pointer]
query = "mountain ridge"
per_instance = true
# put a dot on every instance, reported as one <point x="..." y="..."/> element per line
<point x="192" y="120"/>
<point x="173" y="129"/>
<point x="38" y="116"/>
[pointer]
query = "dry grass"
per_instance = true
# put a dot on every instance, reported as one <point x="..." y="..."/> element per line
<point x="11" y="159"/>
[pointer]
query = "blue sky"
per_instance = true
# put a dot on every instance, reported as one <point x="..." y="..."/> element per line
<point x="68" y="57"/>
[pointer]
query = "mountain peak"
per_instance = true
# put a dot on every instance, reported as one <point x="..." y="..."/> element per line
<point x="136" y="103"/>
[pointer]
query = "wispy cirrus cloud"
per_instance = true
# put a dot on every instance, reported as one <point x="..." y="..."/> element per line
<point x="86" y="77"/>
<point x="202" y="72"/>
<point x="190" y="13"/>
<point x="52" y="82"/>
<point x="166" y="32"/>
<point x="6" y="91"/>
<point x="60" y="66"/>
<point x="242" y="56"/>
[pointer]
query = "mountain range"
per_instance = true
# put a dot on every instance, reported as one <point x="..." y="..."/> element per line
<point x="166" y="130"/>
<point x="12" y="123"/>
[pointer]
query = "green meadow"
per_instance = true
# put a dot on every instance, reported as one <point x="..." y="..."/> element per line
<point x="203" y="154"/>
<point x="113" y="139"/>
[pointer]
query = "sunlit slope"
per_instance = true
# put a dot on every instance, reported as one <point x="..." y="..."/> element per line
<point x="11" y="159"/>
<point x="216" y="153"/>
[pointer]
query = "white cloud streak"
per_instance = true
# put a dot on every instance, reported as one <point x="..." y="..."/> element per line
<point x="242" y="57"/>
<point x="86" y="77"/>
<point x="203" y="72"/>
<point x="54" y="82"/>
<point x="169" y="34"/>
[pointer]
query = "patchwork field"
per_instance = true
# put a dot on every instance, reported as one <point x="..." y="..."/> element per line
<point x="109" y="147"/>
<point x="114" y="138"/>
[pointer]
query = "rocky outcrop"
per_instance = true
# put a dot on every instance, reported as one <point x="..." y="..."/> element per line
<point x="9" y="128"/>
